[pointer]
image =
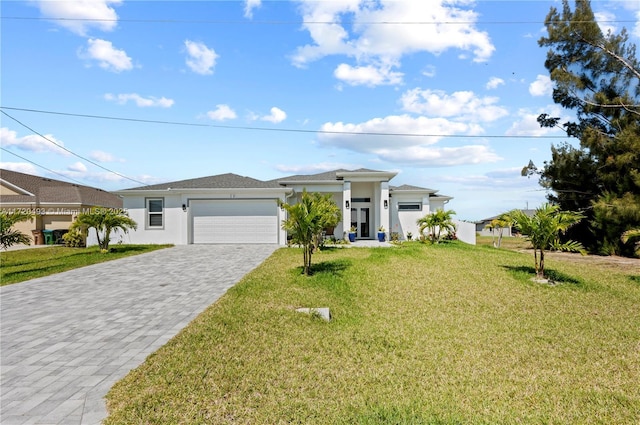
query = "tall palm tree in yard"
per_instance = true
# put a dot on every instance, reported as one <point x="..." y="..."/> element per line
<point x="436" y="223"/>
<point x="543" y="230"/>
<point x="10" y="236"/>
<point x="104" y="221"/>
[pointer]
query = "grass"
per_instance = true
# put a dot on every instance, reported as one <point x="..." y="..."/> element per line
<point x="25" y="264"/>
<point x="448" y="334"/>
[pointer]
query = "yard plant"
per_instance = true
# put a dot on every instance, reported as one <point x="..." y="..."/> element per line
<point x="420" y="334"/>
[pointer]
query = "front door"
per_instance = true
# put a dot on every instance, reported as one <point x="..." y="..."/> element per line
<point x="361" y="220"/>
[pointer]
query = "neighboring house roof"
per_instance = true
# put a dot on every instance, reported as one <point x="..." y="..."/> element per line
<point x="490" y="219"/>
<point x="220" y="181"/>
<point x="36" y="190"/>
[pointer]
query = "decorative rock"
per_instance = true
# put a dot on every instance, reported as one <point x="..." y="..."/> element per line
<point x="322" y="312"/>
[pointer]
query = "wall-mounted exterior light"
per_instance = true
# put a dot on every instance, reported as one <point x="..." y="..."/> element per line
<point x="386" y="204"/>
<point x="346" y="204"/>
<point x="184" y="207"/>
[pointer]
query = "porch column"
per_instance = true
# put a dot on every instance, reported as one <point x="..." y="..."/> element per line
<point x="385" y="208"/>
<point x="346" y="210"/>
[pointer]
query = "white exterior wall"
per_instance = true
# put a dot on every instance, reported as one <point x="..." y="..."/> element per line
<point x="403" y="222"/>
<point x="177" y="222"/>
<point x="466" y="231"/>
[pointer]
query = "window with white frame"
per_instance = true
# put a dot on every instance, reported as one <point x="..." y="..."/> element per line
<point x="409" y="206"/>
<point x="155" y="213"/>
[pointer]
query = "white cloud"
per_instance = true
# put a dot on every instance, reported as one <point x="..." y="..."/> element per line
<point x="460" y="105"/>
<point x="605" y="20"/>
<point x="494" y="82"/>
<point x="370" y="42"/>
<point x="542" y="86"/>
<point x="77" y="167"/>
<point x="140" y="101"/>
<point x="32" y="142"/>
<point x="277" y="115"/>
<point x="429" y="71"/>
<point x="20" y="167"/>
<point x="101" y="156"/>
<point x="249" y="6"/>
<point x="369" y="75"/>
<point x="428" y="156"/>
<point x="387" y="139"/>
<point x="316" y="168"/>
<point x="222" y="113"/>
<point x="107" y="56"/>
<point x="81" y="15"/>
<point x="527" y="124"/>
<point x="201" y="59"/>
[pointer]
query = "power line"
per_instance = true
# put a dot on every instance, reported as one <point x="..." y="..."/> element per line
<point x="71" y="152"/>
<point x="282" y="130"/>
<point x="41" y="166"/>
<point x="276" y="22"/>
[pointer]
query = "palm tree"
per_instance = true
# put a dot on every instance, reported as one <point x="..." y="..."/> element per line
<point x="499" y="223"/>
<point x="10" y="236"/>
<point x="306" y="220"/>
<point x="437" y="222"/>
<point x="630" y="235"/>
<point x="104" y="221"/>
<point x="543" y="230"/>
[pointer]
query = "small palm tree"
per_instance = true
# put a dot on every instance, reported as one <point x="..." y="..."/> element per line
<point x="10" y="236"/>
<point x="499" y="223"/>
<point x="306" y="220"/>
<point x="632" y="234"/>
<point x="543" y="230"/>
<point x="104" y="221"/>
<point x="436" y="223"/>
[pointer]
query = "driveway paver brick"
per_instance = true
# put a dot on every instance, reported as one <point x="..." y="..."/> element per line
<point x="66" y="339"/>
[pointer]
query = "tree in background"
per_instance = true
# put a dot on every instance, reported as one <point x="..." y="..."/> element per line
<point x="597" y="76"/>
<point x="104" y="221"/>
<point x="503" y="221"/>
<point x="543" y="230"/>
<point x="436" y="223"/>
<point x="10" y="236"/>
<point x="307" y="219"/>
<point x="632" y="235"/>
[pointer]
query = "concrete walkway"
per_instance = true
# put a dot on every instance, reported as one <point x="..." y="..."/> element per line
<point x="67" y="338"/>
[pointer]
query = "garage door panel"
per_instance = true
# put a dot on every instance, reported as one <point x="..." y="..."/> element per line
<point x="235" y="221"/>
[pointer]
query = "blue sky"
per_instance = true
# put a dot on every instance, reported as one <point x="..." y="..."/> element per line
<point x="444" y="92"/>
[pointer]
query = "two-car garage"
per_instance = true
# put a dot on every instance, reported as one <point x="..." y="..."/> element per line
<point x="234" y="221"/>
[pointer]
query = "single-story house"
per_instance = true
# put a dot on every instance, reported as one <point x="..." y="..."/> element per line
<point x="55" y="204"/>
<point x="229" y="208"/>
<point x="483" y="230"/>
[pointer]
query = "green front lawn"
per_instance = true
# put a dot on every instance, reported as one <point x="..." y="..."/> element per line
<point x="25" y="264"/>
<point x="420" y="335"/>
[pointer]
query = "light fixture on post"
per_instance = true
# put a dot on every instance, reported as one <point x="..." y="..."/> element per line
<point x="346" y="204"/>
<point x="386" y="204"/>
<point x="184" y="207"/>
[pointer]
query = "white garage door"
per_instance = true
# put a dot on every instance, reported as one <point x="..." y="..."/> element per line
<point x="237" y="221"/>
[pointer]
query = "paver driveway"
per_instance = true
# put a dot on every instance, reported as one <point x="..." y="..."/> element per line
<point x="67" y="338"/>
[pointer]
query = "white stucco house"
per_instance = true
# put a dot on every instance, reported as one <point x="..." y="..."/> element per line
<point x="229" y="208"/>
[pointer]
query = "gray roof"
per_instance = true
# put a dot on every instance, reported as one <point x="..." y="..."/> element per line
<point x="409" y="187"/>
<point x="325" y="176"/>
<point x="51" y="191"/>
<point x="220" y="181"/>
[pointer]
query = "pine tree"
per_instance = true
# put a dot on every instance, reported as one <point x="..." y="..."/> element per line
<point x="597" y="76"/>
